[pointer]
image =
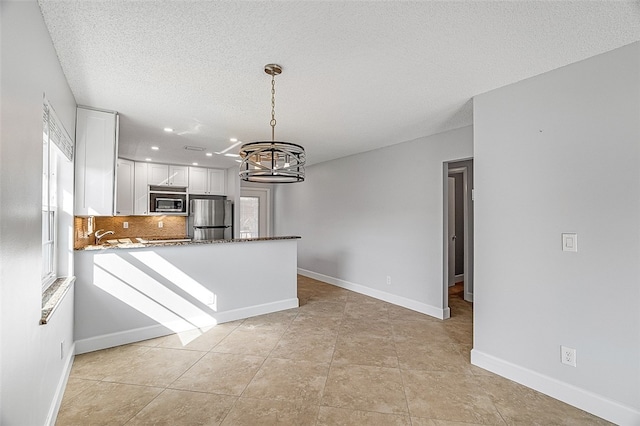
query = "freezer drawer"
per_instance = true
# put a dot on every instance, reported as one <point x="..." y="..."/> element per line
<point x="211" y="233"/>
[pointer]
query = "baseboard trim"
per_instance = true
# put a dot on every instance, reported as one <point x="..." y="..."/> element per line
<point x="62" y="384"/>
<point x="572" y="395"/>
<point x="158" y="330"/>
<point x="458" y="278"/>
<point x="252" y="311"/>
<point x="378" y="294"/>
<point x="468" y="296"/>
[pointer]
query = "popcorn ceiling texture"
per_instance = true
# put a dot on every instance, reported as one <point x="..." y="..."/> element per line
<point x="357" y="75"/>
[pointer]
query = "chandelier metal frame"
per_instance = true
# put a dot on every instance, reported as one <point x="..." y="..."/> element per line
<point x="274" y="161"/>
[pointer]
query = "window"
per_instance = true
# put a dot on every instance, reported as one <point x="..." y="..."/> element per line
<point x="56" y="145"/>
<point x="49" y="190"/>
<point x="249" y="217"/>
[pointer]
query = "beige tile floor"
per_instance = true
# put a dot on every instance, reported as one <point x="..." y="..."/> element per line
<point x="340" y="359"/>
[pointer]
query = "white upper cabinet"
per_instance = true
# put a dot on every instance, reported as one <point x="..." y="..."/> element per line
<point x="95" y="162"/>
<point x="124" y="187"/>
<point x="197" y="180"/>
<point x="217" y="181"/>
<point x="164" y="174"/>
<point x="178" y="175"/>
<point x="157" y="174"/>
<point x="207" y="181"/>
<point x="141" y="189"/>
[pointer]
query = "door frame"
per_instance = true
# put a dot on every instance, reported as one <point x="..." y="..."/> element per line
<point x="467" y="191"/>
<point x="263" y="193"/>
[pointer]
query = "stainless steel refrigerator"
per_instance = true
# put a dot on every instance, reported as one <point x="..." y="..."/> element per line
<point x="211" y="219"/>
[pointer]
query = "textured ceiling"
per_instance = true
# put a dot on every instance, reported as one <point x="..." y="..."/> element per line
<point x="357" y="75"/>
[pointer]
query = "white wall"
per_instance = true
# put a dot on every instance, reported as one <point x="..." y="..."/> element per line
<point x="31" y="369"/>
<point x="558" y="153"/>
<point x="377" y="214"/>
<point x="128" y="295"/>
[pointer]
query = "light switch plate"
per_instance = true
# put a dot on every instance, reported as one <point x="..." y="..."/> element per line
<point x="570" y="242"/>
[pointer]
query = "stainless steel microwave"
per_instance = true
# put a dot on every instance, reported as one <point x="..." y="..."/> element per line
<point x="169" y="205"/>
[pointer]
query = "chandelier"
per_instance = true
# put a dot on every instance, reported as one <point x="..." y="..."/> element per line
<point x="275" y="161"/>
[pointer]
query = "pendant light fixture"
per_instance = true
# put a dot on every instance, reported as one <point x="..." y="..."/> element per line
<point x="272" y="162"/>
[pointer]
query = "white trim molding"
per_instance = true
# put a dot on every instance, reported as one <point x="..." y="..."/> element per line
<point x="158" y="330"/>
<point x="565" y="392"/>
<point x="423" y="308"/>
<point x="62" y="384"/>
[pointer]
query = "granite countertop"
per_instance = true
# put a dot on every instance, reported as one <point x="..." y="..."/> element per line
<point x="178" y="242"/>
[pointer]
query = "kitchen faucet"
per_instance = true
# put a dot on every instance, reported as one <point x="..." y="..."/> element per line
<point x="99" y="236"/>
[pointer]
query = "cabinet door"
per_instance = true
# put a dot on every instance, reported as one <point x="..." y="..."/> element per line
<point x="157" y="174"/>
<point x="95" y="162"/>
<point x="178" y="175"/>
<point x="198" y="180"/>
<point x="141" y="189"/>
<point x="217" y="182"/>
<point x="124" y="187"/>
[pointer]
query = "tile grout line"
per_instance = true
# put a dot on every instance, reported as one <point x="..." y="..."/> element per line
<point x="165" y="387"/>
<point x="335" y="345"/>
<point x="258" y="369"/>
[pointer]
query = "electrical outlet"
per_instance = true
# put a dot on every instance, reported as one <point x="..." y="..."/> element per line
<point x="570" y="242"/>
<point x="388" y="279"/>
<point x="568" y="356"/>
<point x="125" y="225"/>
<point x="160" y="224"/>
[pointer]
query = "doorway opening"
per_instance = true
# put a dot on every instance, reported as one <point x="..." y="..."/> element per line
<point x="255" y="218"/>
<point x="458" y="231"/>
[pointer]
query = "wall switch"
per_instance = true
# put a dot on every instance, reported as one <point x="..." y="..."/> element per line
<point x="160" y="224"/>
<point x="125" y="225"/>
<point x="62" y="350"/>
<point x="568" y="356"/>
<point x="569" y="242"/>
<point x="388" y="280"/>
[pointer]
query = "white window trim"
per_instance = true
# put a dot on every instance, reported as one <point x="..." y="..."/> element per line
<point x="57" y="145"/>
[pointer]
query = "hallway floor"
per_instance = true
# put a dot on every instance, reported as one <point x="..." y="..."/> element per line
<point x="341" y="358"/>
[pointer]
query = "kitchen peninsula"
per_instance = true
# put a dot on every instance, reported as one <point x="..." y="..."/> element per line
<point x="126" y="293"/>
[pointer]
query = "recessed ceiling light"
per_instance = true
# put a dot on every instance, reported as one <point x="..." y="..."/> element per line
<point x="209" y="154"/>
<point x="195" y="164"/>
<point x="168" y="129"/>
<point x="155" y="148"/>
<point x="231" y="155"/>
<point x="233" y="140"/>
<point x="147" y="159"/>
<point x="238" y="161"/>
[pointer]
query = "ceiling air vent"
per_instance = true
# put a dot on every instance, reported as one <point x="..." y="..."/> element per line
<point x="194" y="148"/>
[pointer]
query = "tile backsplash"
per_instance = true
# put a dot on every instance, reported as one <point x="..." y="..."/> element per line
<point x="139" y="226"/>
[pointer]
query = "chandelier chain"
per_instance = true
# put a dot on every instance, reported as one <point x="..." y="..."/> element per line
<point x="273" y="107"/>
